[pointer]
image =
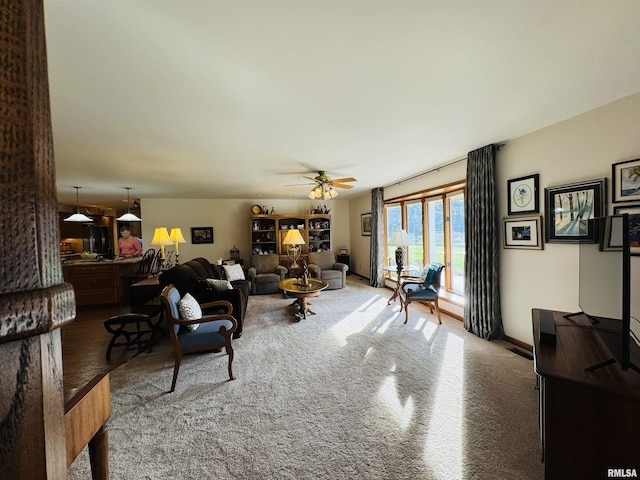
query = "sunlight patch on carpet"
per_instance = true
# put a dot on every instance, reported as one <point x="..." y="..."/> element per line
<point x="356" y="321"/>
<point x="429" y="330"/>
<point x="390" y="399"/>
<point x="444" y="434"/>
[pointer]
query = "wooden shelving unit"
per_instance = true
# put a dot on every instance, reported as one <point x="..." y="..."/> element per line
<point x="268" y="232"/>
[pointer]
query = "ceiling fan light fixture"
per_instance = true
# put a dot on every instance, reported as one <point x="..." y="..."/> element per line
<point x="128" y="217"/>
<point x="78" y="217"/>
<point x="333" y="193"/>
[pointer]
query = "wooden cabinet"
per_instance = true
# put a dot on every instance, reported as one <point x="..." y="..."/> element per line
<point x="263" y="234"/>
<point x="99" y="283"/>
<point x="319" y="237"/>
<point x="93" y="284"/>
<point x="269" y="231"/>
<point x="589" y="420"/>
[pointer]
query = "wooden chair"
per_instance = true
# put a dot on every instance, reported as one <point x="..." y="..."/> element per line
<point x="213" y="332"/>
<point x="423" y="289"/>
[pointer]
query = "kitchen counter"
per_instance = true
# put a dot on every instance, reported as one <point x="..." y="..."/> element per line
<point x="100" y="282"/>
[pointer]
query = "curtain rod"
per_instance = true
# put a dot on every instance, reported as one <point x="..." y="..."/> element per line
<point x="435" y="169"/>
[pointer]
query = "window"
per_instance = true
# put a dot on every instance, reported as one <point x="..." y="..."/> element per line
<point x="434" y="220"/>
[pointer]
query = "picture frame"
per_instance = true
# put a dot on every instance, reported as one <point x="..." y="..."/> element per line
<point x="634" y="225"/>
<point x="524" y="194"/>
<point x="365" y="224"/>
<point x="625" y="181"/>
<point x="201" y="235"/>
<point x="522" y="232"/>
<point x="569" y="207"/>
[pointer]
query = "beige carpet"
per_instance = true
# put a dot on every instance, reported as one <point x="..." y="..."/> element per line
<point x="348" y="393"/>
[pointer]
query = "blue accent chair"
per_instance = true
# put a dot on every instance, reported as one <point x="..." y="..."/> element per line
<point x="213" y="332"/>
<point x="423" y="289"/>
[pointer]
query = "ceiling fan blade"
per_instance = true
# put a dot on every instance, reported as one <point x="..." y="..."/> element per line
<point x="310" y="178"/>
<point x="341" y="180"/>
<point x="342" y="185"/>
<point x="297" y="184"/>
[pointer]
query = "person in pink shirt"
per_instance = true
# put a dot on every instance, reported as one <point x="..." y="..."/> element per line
<point x="128" y="245"/>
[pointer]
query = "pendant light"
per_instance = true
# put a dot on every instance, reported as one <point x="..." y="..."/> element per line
<point x="128" y="217"/>
<point x="78" y="217"/>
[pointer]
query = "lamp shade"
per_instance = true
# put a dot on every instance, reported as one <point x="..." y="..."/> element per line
<point x="128" y="217"/>
<point x="161" y="237"/>
<point x="293" y="237"/>
<point x="400" y="239"/>
<point x="176" y="236"/>
<point x="78" y="217"/>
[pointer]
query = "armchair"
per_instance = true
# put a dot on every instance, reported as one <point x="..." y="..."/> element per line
<point x="264" y="273"/>
<point x="323" y="265"/>
<point x="213" y="332"/>
<point x="423" y="289"/>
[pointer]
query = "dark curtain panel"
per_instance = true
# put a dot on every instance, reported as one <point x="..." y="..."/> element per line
<point x="376" y="274"/>
<point x="482" y="315"/>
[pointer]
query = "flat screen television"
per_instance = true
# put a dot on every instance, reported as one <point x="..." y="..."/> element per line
<point x="605" y="289"/>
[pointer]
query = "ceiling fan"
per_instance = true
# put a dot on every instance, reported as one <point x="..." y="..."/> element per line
<point x="325" y="186"/>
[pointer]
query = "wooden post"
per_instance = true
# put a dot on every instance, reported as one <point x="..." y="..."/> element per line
<point x="34" y="301"/>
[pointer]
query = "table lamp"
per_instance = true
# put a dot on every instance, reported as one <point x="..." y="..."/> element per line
<point x="161" y="238"/>
<point x="400" y="239"/>
<point x="293" y="240"/>
<point x="176" y="237"/>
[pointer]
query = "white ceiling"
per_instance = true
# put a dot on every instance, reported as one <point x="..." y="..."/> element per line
<point x="238" y="98"/>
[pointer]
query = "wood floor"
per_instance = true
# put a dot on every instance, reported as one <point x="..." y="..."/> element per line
<point x="84" y="347"/>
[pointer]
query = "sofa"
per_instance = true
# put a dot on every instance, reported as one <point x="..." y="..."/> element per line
<point x="192" y="277"/>
<point x="323" y="265"/>
<point x="264" y="274"/>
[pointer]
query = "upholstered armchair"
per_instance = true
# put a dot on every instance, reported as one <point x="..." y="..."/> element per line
<point x="191" y="332"/>
<point x="423" y="289"/>
<point x="323" y="265"/>
<point x="265" y="272"/>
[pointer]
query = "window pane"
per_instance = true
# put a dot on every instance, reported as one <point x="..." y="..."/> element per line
<point x="436" y="231"/>
<point x="394" y="222"/>
<point x="456" y="206"/>
<point x="414" y="229"/>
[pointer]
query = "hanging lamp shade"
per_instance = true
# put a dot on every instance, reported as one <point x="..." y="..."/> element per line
<point x="78" y="217"/>
<point x="128" y="217"/>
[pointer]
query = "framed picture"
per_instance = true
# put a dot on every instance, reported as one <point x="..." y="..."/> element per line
<point x="569" y="207"/>
<point x="201" y="235"/>
<point x="524" y="195"/>
<point x="365" y="224"/>
<point x="626" y="181"/>
<point x="634" y="225"/>
<point x="522" y="232"/>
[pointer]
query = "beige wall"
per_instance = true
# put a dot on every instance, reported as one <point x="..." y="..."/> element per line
<point x="580" y="148"/>
<point x="230" y="222"/>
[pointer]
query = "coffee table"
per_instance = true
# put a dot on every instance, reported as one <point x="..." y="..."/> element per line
<point x="302" y="292"/>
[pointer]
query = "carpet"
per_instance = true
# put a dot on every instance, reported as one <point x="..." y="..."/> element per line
<point x="348" y="393"/>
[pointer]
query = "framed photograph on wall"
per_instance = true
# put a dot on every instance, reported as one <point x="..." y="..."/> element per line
<point x="365" y="224"/>
<point x="522" y="232"/>
<point x="626" y="181"/>
<point x="634" y="225"/>
<point x="524" y="195"/>
<point x="201" y="235"/>
<point x="569" y="207"/>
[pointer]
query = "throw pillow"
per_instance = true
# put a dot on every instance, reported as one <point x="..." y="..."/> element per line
<point x="189" y="309"/>
<point x="219" y="285"/>
<point x="428" y="274"/>
<point x="234" y="272"/>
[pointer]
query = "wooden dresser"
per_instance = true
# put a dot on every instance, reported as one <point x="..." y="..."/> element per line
<point x="589" y="420"/>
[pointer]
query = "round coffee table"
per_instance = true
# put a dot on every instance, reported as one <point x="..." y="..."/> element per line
<point x="293" y="288"/>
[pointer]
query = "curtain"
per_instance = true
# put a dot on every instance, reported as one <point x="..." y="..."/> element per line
<point x="376" y="272"/>
<point x="482" y="314"/>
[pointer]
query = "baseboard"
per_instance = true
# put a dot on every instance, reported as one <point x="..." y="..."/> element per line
<point x="518" y="343"/>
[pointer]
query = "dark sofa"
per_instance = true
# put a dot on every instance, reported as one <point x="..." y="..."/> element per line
<point x="191" y="277"/>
